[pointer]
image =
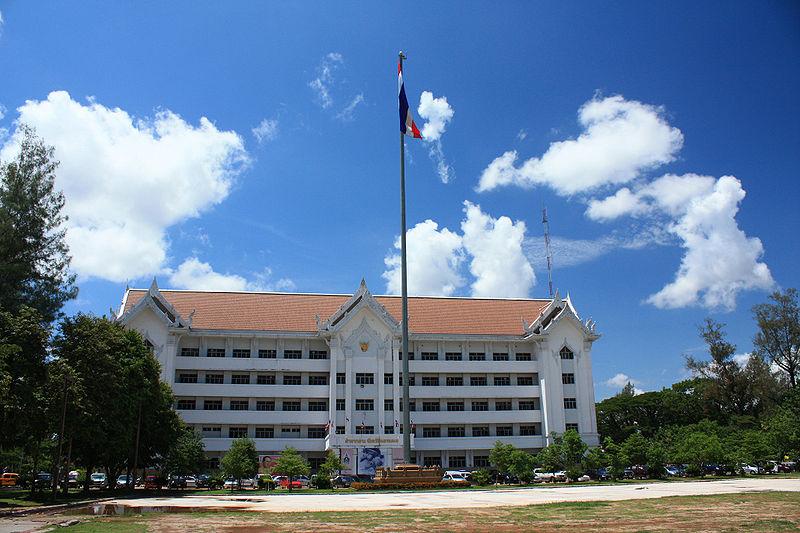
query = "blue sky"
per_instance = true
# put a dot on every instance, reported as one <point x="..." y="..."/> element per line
<point x="152" y="109"/>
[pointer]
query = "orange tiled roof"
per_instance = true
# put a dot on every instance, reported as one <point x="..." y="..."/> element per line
<point x="296" y="312"/>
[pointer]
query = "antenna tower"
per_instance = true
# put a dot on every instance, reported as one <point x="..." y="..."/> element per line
<point x="548" y="251"/>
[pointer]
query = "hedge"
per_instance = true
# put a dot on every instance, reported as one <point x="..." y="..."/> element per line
<point x="407" y="486"/>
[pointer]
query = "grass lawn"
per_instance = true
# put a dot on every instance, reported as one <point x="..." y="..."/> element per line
<point x="773" y="511"/>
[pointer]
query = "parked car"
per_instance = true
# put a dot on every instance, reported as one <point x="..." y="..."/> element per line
<point x="153" y="482"/>
<point x="540" y="475"/>
<point x="190" y="482"/>
<point x="639" y="471"/>
<point x="749" y="470"/>
<point x="72" y="479"/>
<point x="43" y="480"/>
<point x="601" y="474"/>
<point x="176" y="482"/>
<point x="296" y="484"/>
<point x="9" y="479"/>
<point x="627" y="473"/>
<point x="98" y="479"/>
<point x="265" y="482"/>
<point x="454" y="476"/>
<point x="673" y="471"/>
<point x="342" y="482"/>
<point x="244" y="483"/>
<point x="123" y="480"/>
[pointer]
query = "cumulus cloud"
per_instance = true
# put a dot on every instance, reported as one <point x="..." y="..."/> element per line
<point x="267" y="130"/>
<point x="434" y="259"/>
<point x="620" y="140"/>
<point x="197" y="275"/>
<point x="127" y="180"/>
<point x="622" y="202"/>
<point x="321" y="85"/>
<point x="497" y="260"/>
<point x="347" y="113"/>
<point x="490" y="247"/>
<point x="437" y="113"/>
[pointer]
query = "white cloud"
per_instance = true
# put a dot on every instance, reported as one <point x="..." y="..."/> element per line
<point x="322" y="83"/>
<point x="197" y="275"/>
<point x="742" y="359"/>
<point x="434" y="260"/>
<point x="620" y="380"/>
<point x="2" y="107"/>
<point x="522" y="135"/>
<point x="127" y="180"/>
<point x="498" y="263"/>
<point x="619" y="203"/>
<point x="346" y="114"/>
<point x="267" y="130"/>
<point x="620" y="139"/>
<point x="437" y="113"/>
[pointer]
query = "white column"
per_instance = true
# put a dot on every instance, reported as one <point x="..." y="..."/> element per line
<point x="348" y="410"/>
<point x="167" y="359"/>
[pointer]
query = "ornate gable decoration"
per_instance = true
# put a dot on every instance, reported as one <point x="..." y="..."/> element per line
<point x="361" y="298"/>
<point x="156" y="302"/>
<point x="557" y="310"/>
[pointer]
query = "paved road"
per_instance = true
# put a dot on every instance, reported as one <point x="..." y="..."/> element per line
<point x="472" y="498"/>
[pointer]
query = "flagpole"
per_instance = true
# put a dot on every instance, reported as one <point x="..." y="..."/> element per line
<point x="404" y="274"/>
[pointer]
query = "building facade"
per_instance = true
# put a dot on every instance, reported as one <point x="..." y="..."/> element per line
<point x="319" y="372"/>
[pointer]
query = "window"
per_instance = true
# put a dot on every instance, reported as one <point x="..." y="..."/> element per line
<point x="190" y="352"/>
<point x="480" y="431"/>
<point x="455" y="406"/>
<point x="265" y="379"/>
<point x="365" y="405"/>
<point x="240" y="405"/>
<point x="187" y="378"/>
<point x="318" y="380"/>
<point x="499" y="357"/>
<point x="570" y="403"/>
<point x="504" y="431"/>
<point x="317" y="354"/>
<point x="502" y="405"/>
<point x="568" y="379"/>
<point x="477" y="356"/>
<point x="316" y="433"/>
<point x="341" y="378"/>
<point x="215" y="378"/>
<point x="457" y="461"/>
<point x="452" y="356"/>
<point x="455" y="381"/>
<point x="431" y="432"/>
<point x="527" y="405"/>
<point x="292" y="379"/>
<point x="240" y="379"/>
<point x="290" y="432"/>
<point x="388" y="405"/>
<point x="430" y="381"/>
<point x="388" y="379"/>
<point x="433" y="460"/>
<point x="527" y="431"/>
<point x="340" y="404"/>
<point x="566" y="353"/>
<point x="523" y="356"/>
<point x="430" y="406"/>
<point x="237" y="433"/>
<point x="365" y="379"/>
<point x="241" y="353"/>
<point x="291" y="405"/>
<point x="215" y="352"/>
<point x="412" y="406"/>
<point x="265" y="405"/>
<point x="400" y="356"/>
<point x="477" y="381"/>
<point x="212" y="432"/>
<point x="411" y="380"/>
<point x="480" y="461"/>
<point x="502" y="381"/>
<point x="265" y="433"/>
<point x="186" y="404"/>
<point x="571" y="426"/>
<point x="525" y="380"/>
<point x="317" y="405"/>
<point x="340" y="430"/>
<point x="212" y="405"/>
<point x="429" y="356"/>
<point x="388" y="430"/>
<point x="292" y="354"/>
<point x="267" y="354"/>
<point x="480" y="406"/>
<point x="365" y="430"/>
<point x="457" y="431"/>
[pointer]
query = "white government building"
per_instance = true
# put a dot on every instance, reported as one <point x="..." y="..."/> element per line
<point x="282" y="368"/>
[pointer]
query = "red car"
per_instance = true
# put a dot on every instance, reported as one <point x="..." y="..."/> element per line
<point x="283" y="482"/>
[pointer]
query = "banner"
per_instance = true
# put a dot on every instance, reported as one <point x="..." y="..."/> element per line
<point x="348" y="459"/>
<point x="266" y="463"/>
<point x="368" y="460"/>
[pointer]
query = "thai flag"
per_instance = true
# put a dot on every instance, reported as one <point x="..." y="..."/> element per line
<point x="407" y="125"/>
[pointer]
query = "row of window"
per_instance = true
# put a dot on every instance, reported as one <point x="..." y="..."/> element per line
<point x="428" y="432"/>
<point x="472" y="356"/>
<point x="368" y="379"/>
<point x="246" y="353"/>
<point x="190" y="404"/>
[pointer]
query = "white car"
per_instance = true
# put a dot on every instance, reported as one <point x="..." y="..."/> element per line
<point x="191" y="482"/>
<point x="541" y="476"/>
<point x="454" y="476"/>
<point x="749" y="469"/>
<point x="98" y="479"/>
<point x="122" y="480"/>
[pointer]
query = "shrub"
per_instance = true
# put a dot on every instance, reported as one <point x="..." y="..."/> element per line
<point x="410" y="486"/>
<point x="481" y="477"/>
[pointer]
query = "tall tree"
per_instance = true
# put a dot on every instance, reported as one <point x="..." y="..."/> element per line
<point x="291" y="464"/>
<point x="34" y="258"/>
<point x="186" y="454"/>
<point x="241" y="460"/>
<point x="778" y="336"/>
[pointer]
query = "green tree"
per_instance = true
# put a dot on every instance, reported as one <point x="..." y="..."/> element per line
<point x="187" y="453"/>
<point x="34" y="257"/>
<point x="628" y="390"/>
<point x="778" y="336"/>
<point x="241" y="460"/>
<point x="782" y="428"/>
<point x="481" y="477"/>
<point x="291" y="464"/>
<point x="574" y="450"/>
<point x="697" y="448"/>
<point x="635" y="449"/>
<point x="656" y="459"/>
<point x="521" y="464"/>
<point x="617" y="460"/>
<point x="501" y="456"/>
<point x="328" y="469"/>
